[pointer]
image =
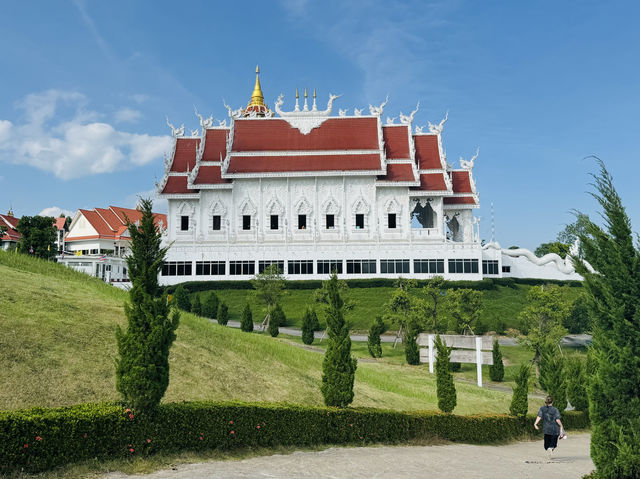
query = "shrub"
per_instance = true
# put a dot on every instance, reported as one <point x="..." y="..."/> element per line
<point x="107" y="431"/>
<point x="210" y="305"/>
<point x="277" y="318"/>
<point x="223" y="314"/>
<point x="373" y="341"/>
<point x="445" y="388"/>
<point x="575" y="369"/>
<point x="520" y="401"/>
<point x="309" y="320"/>
<point x="246" y="324"/>
<point x="196" y="305"/>
<point x="496" y="370"/>
<point x="181" y="297"/>
<point x="411" y="350"/>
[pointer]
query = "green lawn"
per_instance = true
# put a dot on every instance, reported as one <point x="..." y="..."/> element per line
<point x="58" y="347"/>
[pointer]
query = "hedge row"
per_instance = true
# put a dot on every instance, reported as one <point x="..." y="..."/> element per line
<point x="482" y="285"/>
<point x="40" y="439"/>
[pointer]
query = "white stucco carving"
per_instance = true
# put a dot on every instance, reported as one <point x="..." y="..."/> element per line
<point x="305" y="120"/>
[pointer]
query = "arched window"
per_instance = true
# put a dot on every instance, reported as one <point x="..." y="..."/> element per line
<point x="330" y="214"/>
<point x="247" y="219"/>
<point x="275" y="213"/>
<point x="360" y="214"/>
<point x="302" y="209"/>
<point x="218" y="216"/>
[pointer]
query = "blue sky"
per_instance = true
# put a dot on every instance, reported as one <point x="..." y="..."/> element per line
<point x="538" y="86"/>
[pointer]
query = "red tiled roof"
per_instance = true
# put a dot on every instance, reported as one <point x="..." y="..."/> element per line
<point x="185" y="154"/>
<point x="11" y="221"/>
<point x="59" y="223"/>
<point x="396" y="141"/>
<point x="398" y="172"/>
<point x="461" y="182"/>
<point x="215" y="144"/>
<point x="135" y="215"/>
<point x="100" y="225"/>
<point x="459" y="200"/>
<point x="112" y="219"/>
<point x="258" y="164"/>
<point x="278" y="135"/>
<point x="116" y="216"/>
<point x="431" y="182"/>
<point x="177" y="185"/>
<point x="210" y="175"/>
<point x="427" y="152"/>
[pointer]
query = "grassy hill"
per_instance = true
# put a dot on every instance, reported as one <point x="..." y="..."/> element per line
<point x="58" y="347"/>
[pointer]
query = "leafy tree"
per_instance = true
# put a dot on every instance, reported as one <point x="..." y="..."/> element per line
<point x="182" y="299"/>
<point x="373" y="341"/>
<point x="572" y="231"/>
<point x="465" y="308"/>
<point x="309" y="321"/>
<point x="196" y="305"/>
<point x="575" y="369"/>
<point x="433" y="293"/>
<point x="554" y="378"/>
<point x="246" y="324"/>
<point x="210" y="305"/>
<point x="338" y="367"/>
<point x="445" y="389"/>
<point x="577" y="321"/>
<point x="520" y="401"/>
<point x="142" y="366"/>
<point x="277" y="319"/>
<point x="496" y="370"/>
<point x="541" y="319"/>
<point x="223" y="314"/>
<point x="561" y="249"/>
<point x="38" y="236"/>
<point x="403" y="311"/>
<point x="269" y="287"/>
<point x="613" y="293"/>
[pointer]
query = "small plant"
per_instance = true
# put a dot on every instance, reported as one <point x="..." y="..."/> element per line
<point x="496" y="370"/>
<point x="210" y="305"/>
<point x="181" y="297"/>
<point x="373" y="341"/>
<point x="520" y="401"/>
<point x="196" y="305"/>
<point x="277" y="318"/>
<point x="309" y="322"/>
<point x="446" y="390"/>
<point x="246" y="324"/>
<point x="223" y="314"/>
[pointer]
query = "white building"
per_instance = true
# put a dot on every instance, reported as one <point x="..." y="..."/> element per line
<point x="312" y="192"/>
<point x="98" y="241"/>
<point x="11" y="237"/>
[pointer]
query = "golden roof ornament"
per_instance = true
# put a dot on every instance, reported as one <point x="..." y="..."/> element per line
<point x="257" y="106"/>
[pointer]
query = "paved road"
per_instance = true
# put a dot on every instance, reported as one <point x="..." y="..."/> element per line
<point x="521" y="460"/>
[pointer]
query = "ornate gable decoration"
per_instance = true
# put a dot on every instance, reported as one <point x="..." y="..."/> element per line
<point x="305" y="120"/>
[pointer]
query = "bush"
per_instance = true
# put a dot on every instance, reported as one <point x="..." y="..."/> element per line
<point x="196" y="305"/>
<point x="520" y="401"/>
<point x="223" y="314"/>
<point x="445" y="388"/>
<point x="309" y="322"/>
<point x="181" y="297"/>
<point x="246" y="324"/>
<point x="496" y="370"/>
<point x="575" y="369"/>
<point x="373" y="341"/>
<point x="107" y="431"/>
<point x="277" y="318"/>
<point x="210" y="305"/>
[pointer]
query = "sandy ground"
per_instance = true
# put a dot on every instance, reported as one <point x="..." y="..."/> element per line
<point x="517" y="460"/>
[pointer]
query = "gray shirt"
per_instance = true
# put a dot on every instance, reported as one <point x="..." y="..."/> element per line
<point x="549" y="414"/>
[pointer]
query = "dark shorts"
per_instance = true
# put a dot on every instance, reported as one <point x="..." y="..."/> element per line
<point x="550" y="441"/>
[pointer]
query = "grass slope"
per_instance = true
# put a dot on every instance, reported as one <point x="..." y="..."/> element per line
<point x="58" y="348"/>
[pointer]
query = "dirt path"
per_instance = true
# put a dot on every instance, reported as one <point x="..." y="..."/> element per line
<point x="521" y="460"/>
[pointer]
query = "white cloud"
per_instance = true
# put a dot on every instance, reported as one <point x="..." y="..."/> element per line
<point x="62" y="136"/>
<point x="55" y="211"/>
<point x="128" y="115"/>
<point x="140" y="98"/>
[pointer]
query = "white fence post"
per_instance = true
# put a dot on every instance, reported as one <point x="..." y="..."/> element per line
<point x="431" y="353"/>
<point x="479" y="359"/>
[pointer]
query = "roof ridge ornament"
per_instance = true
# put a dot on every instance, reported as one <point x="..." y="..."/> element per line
<point x="175" y="132"/>
<point x="305" y="120"/>
<point x="468" y="165"/>
<point x="437" y="129"/>
<point x="377" y="110"/>
<point x="408" y="119"/>
<point x="204" y="123"/>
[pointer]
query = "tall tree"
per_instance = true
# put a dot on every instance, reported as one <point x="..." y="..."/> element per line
<point x="38" y="236"/>
<point x="269" y="287"/>
<point x="445" y="388"/>
<point x="142" y="366"/>
<point x="572" y="231"/>
<point x="520" y="399"/>
<point x="434" y="292"/>
<point x="309" y="321"/>
<point x="246" y="324"/>
<point x="338" y="367"/>
<point x="613" y="292"/>
<point x="401" y="310"/>
<point x="496" y="370"/>
<point x="465" y="306"/>
<point x="577" y="381"/>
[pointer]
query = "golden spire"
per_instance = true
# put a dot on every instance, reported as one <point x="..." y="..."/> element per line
<point x="314" y="93"/>
<point x="257" y="98"/>
<point x="297" y="95"/>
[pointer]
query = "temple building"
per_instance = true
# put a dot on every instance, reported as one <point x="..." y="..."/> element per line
<point x="311" y="191"/>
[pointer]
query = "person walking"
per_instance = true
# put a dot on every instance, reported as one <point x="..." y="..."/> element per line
<point x="551" y="425"/>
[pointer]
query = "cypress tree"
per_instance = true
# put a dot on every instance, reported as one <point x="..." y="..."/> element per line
<point x="575" y="369"/>
<point x="308" y="326"/>
<point x="181" y="297"/>
<point x="196" y="305"/>
<point x="445" y="388"/>
<point x="277" y="318"/>
<point x="246" y="324"/>
<point x="554" y="379"/>
<point x="338" y="367"/>
<point x="210" y="305"/>
<point x="223" y="314"/>
<point x="496" y="370"/>
<point x="520" y="401"/>
<point x="411" y="351"/>
<point x="373" y="341"/>
<point x="142" y="366"/>
<point x="613" y="301"/>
